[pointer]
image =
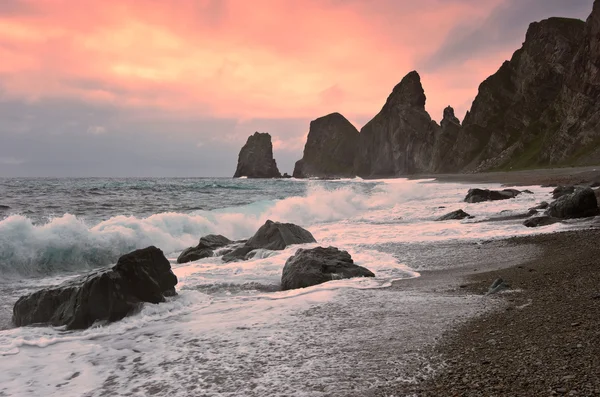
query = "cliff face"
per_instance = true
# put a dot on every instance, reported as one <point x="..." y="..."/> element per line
<point x="399" y="139"/>
<point x="330" y="148"/>
<point x="516" y="110"/>
<point x="444" y="142"/>
<point x="256" y="158"/>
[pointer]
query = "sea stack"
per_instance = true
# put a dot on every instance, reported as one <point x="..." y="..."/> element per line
<point x="256" y="158"/>
<point x="330" y="149"/>
<point x="399" y="140"/>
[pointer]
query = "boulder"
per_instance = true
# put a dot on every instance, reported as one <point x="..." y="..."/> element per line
<point x="204" y="249"/>
<point x="480" y="195"/>
<point x="330" y="148"/>
<point x="272" y="236"/>
<point x="560" y="191"/>
<point x="458" y="214"/>
<point x="256" y="158"/>
<point x="538" y="221"/>
<point x="580" y="204"/>
<point x="318" y="265"/>
<point x="103" y="296"/>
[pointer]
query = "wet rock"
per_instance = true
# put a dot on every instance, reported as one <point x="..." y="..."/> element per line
<point x="580" y="204"/>
<point x="286" y="175"/>
<point x="541" y="206"/>
<point x="256" y="158"/>
<point x="109" y="295"/>
<point x="561" y="191"/>
<point x="527" y="214"/>
<point x="458" y="214"/>
<point x="480" y="195"/>
<point x="318" y="265"/>
<point x="271" y="236"/>
<point x="539" y="221"/>
<point x="204" y="249"/>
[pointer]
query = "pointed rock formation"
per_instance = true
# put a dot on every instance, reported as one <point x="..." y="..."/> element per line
<point x="330" y="148"/>
<point x="256" y="158"/>
<point x="399" y="140"/>
<point x="445" y="140"/>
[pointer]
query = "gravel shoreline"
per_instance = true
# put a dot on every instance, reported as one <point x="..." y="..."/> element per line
<point x="545" y="338"/>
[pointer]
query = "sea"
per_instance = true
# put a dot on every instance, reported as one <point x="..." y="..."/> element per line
<point x="230" y="331"/>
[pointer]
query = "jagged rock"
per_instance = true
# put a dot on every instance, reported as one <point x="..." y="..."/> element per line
<point x="560" y="191"/>
<point x="399" y="139"/>
<point x="272" y="236"/>
<point x="541" y="206"/>
<point x="109" y="295"/>
<point x="286" y="175"/>
<point x="538" y="221"/>
<point x="458" y="214"/>
<point x="204" y="249"/>
<point x="330" y="148"/>
<point x="479" y="195"/>
<point x="445" y="140"/>
<point x="256" y="158"/>
<point x="580" y="204"/>
<point x="318" y="265"/>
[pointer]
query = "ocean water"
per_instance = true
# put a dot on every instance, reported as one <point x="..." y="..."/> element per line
<point x="230" y="332"/>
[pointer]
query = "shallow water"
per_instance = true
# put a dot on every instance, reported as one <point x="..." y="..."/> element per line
<point x="229" y="332"/>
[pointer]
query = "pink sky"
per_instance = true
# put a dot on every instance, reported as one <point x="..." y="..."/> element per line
<point x="253" y="61"/>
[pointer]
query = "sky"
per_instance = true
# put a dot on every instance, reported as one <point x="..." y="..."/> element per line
<point x="157" y="88"/>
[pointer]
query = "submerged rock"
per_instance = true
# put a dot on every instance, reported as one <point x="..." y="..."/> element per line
<point x="109" y="295"/>
<point x="480" y="195"/>
<point x="204" y="249"/>
<point x="318" y="265"/>
<point x="580" y="204"/>
<point x="539" y="221"/>
<point x="272" y="236"/>
<point x="458" y="214"/>
<point x="256" y="158"/>
<point x="541" y="206"/>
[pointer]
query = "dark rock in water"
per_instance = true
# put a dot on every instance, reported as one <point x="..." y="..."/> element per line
<point x="286" y="175"/>
<point x="498" y="285"/>
<point x="527" y="191"/>
<point x="4" y="207"/>
<point x="330" y="148"/>
<point x="479" y="195"/>
<point x="458" y="214"/>
<point x="560" y="191"/>
<point x="527" y="214"/>
<point x="271" y="236"/>
<point x="580" y="204"/>
<point x="318" y="265"/>
<point x="541" y="206"/>
<point x="399" y="140"/>
<point x="204" y="249"/>
<point x="538" y="221"/>
<point x="141" y="276"/>
<point x="256" y="158"/>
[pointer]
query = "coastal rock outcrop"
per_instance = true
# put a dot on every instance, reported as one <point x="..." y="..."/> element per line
<point x="454" y="215"/>
<point x="445" y="140"/>
<point x="580" y="204"/>
<point x="204" y="249"/>
<point x="256" y="158"/>
<point x="108" y="295"/>
<point x="318" y="265"/>
<point x="399" y="140"/>
<point x="480" y="195"/>
<point x="330" y="149"/>
<point x="271" y="236"/>
<point x="539" y="221"/>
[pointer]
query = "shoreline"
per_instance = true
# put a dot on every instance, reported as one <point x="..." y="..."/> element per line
<point x="538" y="338"/>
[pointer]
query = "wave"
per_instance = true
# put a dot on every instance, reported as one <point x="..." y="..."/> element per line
<point x="68" y="243"/>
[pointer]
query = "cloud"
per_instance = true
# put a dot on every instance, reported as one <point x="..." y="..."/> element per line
<point x="502" y="30"/>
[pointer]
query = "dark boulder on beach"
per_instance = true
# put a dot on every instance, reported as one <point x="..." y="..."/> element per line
<point x="272" y="236"/>
<point x="204" y="249"/>
<point x="560" y="191"/>
<point x="256" y="158"/>
<point x="330" y="148"/>
<point x="108" y="295"/>
<point x="318" y="265"/>
<point x="580" y="204"/>
<point x="458" y="214"/>
<point x="538" y="221"/>
<point x="480" y="195"/>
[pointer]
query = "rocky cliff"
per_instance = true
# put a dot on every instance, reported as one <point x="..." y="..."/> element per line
<point x="330" y="148"/>
<point x="256" y="158"/>
<point x="400" y="138"/>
